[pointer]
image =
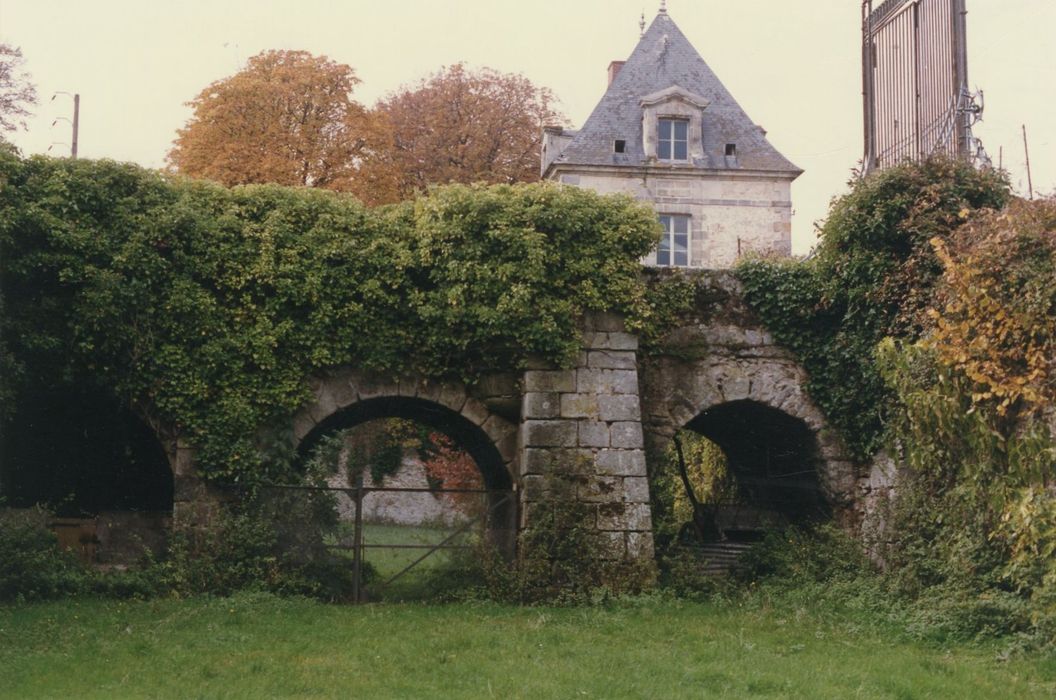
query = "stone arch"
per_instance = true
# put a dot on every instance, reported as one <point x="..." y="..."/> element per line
<point x="769" y="387"/>
<point x="345" y="397"/>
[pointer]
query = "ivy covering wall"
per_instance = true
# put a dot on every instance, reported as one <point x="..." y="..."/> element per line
<point x="208" y="308"/>
<point x="871" y="277"/>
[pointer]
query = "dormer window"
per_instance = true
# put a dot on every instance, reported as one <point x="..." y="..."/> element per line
<point x="673" y="139"/>
<point x="672" y="125"/>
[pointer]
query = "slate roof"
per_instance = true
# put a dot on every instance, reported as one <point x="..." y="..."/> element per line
<point x="663" y="58"/>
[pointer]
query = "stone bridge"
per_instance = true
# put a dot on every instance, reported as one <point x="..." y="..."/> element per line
<point x="610" y="415"/>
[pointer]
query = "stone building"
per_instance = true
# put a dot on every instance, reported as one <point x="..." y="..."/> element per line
<point x="668" y="132"/>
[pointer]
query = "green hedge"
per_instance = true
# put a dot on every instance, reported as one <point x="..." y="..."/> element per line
<point x="209" y="307"/>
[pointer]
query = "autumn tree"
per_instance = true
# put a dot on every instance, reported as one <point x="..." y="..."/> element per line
<point x="450" y="467"/>
<point x="289" y="118"/>
<point x="17" y="94"/>
<point x="466" y="126"/>
<point x="995" y="311"/>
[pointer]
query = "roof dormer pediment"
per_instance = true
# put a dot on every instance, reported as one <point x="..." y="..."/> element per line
<point x="673" y="93"/>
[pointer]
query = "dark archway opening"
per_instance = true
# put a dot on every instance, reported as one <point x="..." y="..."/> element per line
<point x="80" y="452"/>
<point x="772" y="463"/>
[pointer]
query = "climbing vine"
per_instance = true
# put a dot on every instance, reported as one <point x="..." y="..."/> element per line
<point x="207" y="308"/>
<point x="975" y="400"/>
<point x="872" y="276"/>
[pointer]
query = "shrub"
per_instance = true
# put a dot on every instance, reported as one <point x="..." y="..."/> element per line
<point x="562" y="557"/>
<point x="274" y="543"/>
<point x="797" y="555"/>
<point x="32" y="567"/>
<point x="209" y="308"/>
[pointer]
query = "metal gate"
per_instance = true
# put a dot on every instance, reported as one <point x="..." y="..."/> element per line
<point x="493" y="524"/>
<point x="915" y="82"/>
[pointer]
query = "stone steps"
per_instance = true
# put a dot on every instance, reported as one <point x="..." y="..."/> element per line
<point x="719" y="558"/>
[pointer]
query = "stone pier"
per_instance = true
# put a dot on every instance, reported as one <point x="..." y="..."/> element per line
<point x="587" y="420"/>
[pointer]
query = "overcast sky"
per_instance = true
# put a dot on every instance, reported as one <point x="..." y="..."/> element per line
<point x="794" y="65"/>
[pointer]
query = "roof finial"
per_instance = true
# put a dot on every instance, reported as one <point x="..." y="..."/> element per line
<point x="641" y="26"/>
<point x="663" y="7"/>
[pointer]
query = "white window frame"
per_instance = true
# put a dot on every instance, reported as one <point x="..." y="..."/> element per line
<point x="674" y="141"/>
<point x="673" y="250"/>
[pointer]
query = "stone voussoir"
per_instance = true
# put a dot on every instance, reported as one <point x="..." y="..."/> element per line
<point x="453" y="396"/>
<point x="475" y="411"/>
<point x="303" y="423"/>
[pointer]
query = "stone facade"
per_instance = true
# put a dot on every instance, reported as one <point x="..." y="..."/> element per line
<point x="725" y="357"/>
<point x="729" y="216"/>
<point x="730" y="182"/>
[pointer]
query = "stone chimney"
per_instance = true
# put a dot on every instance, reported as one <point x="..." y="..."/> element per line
<point x="614" y="70"/>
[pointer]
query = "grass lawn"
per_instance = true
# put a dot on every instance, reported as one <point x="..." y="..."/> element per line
<point x="255" y="645"/>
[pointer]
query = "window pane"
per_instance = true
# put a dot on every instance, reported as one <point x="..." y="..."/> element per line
<point x="681" y="256"/>
<point x="680" y="150"/>
<point x="680" y="130"/>
<point x="681" y="224"/>
<point x="663" y="150"/>
<point x="663" y="252"/>
<point x="665" y="129"/>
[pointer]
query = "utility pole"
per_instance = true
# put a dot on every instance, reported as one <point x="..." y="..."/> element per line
<point x="76" y="124"/>
<point x="1026" y="152"/>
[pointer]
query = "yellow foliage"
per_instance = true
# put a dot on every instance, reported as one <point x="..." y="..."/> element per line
<point x="708" y="474"/>
<point x="998" y="299"/>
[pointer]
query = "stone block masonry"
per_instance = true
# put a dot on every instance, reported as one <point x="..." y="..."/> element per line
<point x="587" y="421"/>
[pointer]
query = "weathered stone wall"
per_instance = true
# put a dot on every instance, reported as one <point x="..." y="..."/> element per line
<point x="604" y="418"/>
<point x="725" y="355"/>
<point x="588" y="419"/>
<point x="399" y="507"/>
